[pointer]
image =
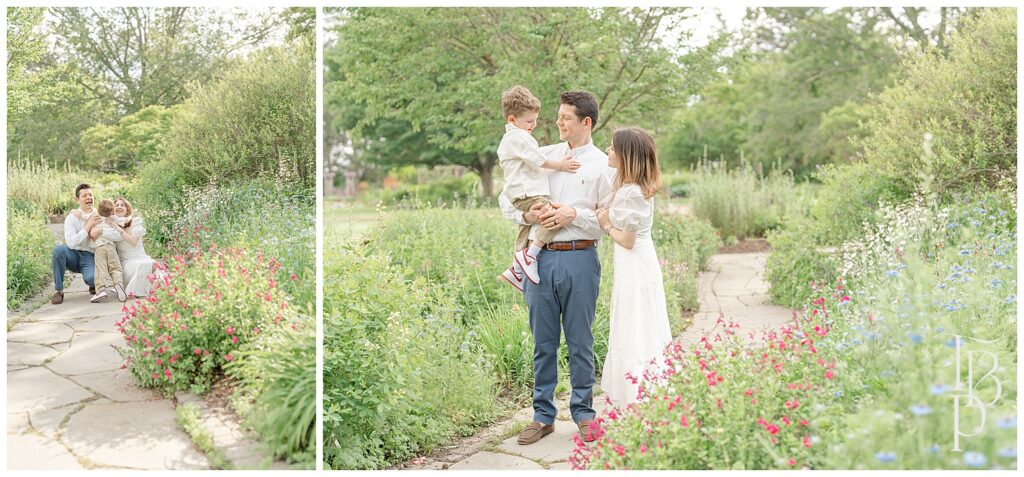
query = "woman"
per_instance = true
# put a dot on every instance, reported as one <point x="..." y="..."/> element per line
<point x="639" y="328"/>
<point x="136" y="264"/>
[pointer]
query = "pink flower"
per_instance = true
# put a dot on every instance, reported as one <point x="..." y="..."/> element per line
<point x="197" y="351"/>
<point x="167" y="373"/>
<point x="683" y="421"/>
<point x="234" y="339"/>
<point x="295" y="277"/>
<point x="807" y="442"/>
<point x="230" y="330"/>
<point x="229" y="357"/>
<point x="156" y="376"/>
<point x="792" y="404"/>
<point x="620" y="450"/>
<point x="159" y="362"/>
<point x="829" y="374"/>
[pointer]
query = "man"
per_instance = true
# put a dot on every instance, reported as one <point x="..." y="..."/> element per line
<point x="76" y="253"/>
<point x="570" y="273"/>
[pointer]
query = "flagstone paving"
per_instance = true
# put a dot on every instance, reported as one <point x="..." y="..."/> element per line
<point x="70" y="404"/>
<point x="732" y="288"/>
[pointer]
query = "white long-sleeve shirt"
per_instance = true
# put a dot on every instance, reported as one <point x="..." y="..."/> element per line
<point x="589" y="188"/>
<point x="522" y="164"/>
<point x="76" y="238"/>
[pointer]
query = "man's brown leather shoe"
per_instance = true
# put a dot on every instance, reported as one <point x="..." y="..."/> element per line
<point x="534" y="432"/>
<point x="585" y="432"/>
<point x="58" y="298"/>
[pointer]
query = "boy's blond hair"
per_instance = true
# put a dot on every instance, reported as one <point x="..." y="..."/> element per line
<point x="518" y="100"/>
<point x="106" y="208"/>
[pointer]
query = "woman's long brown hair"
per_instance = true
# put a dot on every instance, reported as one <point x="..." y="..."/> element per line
<point x="638" y="160"/>
<point x="128" y="212"/>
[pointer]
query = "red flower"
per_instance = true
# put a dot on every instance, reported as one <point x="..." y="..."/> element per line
<point x="807" y="442"/>
<point x="829" y="374"/>
<point x="792" y="404"/>
<point x="229" y="357"/>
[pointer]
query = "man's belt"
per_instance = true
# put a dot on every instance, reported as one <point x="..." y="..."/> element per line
<point x="573" y="245"/>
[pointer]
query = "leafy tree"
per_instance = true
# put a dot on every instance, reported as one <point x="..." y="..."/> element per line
<point x="134" y="140"/>
<point x="432" y="78"/>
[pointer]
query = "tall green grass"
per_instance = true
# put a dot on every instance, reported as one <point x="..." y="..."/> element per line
<point x="742" y="202"/>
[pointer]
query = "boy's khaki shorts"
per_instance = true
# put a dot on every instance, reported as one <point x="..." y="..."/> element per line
<point x="543" y="234"/>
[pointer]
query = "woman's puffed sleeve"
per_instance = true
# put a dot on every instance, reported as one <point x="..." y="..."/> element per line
<point x="629" y="209"/>
<point x="137" y="227"/>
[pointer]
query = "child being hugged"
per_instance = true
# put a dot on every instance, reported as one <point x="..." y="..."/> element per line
<point x="526" y="181"/>
<point x="108" y="264"/>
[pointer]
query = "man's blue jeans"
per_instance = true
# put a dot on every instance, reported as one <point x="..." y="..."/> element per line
<point x="565" y="301"/>
<point x="77" y="261"/>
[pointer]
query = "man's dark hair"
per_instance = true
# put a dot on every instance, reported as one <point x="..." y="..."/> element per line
<point x="78" y="190"/>
<point x="585" y="103"/>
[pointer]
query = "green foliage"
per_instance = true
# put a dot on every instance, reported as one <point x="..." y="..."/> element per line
<point x="29" y="246"/>
<point x="794" y="104"/>
<point x="862" y="380"/>
<point x="798" y="263"/>
<point x="188" y="416"/>
<point x="255" y="120"/>
<point x="277" y="371"/>
<point x="158" y="193"/>
<point x="965" y="100"/>
<point x="135" y="140"/>
<point x="450" y="190"/>
<point x="400" y="376"/>
<point x="742" y="202"/>
<point x="849" y="197"/>
<point x="200" y="312"/>
<point x="450" y="112"/>
<point x="275" y="220"/>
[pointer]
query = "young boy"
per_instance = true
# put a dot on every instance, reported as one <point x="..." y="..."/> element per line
<point x="108" y="264"/>
<point x="526" y="182"/>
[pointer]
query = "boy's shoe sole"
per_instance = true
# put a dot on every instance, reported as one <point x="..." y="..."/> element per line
<point x="98" y="297"/>
<point x="509" y="276"/>
<point x="121" y="295"/>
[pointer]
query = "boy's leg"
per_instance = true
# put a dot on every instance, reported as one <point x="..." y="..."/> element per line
<point x="102" y="270"/>
<point x="63" y="259"/>
<point x="114" y="267"/>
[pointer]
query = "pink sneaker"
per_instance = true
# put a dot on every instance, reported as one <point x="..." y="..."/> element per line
<point x="101" y="296"/>
<point x="529" y="266"/>
<point x="513" y="278"/>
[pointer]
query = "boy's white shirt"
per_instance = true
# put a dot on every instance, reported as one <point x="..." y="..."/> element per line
<point x="522" y="162"/>
<point x="589" y="188"/>
<point x="76" y="238"/>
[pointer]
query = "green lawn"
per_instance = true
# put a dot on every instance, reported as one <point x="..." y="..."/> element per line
<point x="345" y="221"/>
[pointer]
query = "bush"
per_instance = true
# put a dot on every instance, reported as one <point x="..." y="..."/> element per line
<point x="449" y="190"/>
<point x="277" y="374"/>
<point x="965" y="99"/>
<point x="400" y="376"/>
<point x="133" y="141"/>
<point x="257" y="120"/>
<point x="201" y="311"/>
<point x="798" y="264"/>
<point x="849" y="198"/>
<point x="860" y="380"/>
<point x="29" y="247"/>
<point x="741" y="202"/>
<point x="52" y="190"/>
<point x="276" y="220"/>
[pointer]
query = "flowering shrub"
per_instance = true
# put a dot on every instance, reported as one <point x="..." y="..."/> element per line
<point x="203" y="307"/>
<point x="861" y="379"/>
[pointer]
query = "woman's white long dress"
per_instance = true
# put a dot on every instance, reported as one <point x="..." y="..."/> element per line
<point x="639" y="327"/>
<point x="137" y="265"/>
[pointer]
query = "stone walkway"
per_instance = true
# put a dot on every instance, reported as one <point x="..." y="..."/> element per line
<point x="733" y="287"/>
<point x="70" y="404"/>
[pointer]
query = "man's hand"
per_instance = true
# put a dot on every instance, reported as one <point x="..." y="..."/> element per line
<point x="557" y="216"/>
<point x="92" y="222"/>
<point x="95" y="233"/>
<point x="533" y="215"/>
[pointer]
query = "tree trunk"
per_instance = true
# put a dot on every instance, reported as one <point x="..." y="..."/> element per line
<point x="485" y="170"/>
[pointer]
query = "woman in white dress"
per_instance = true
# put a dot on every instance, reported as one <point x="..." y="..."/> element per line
<point x="137" y="265"/>
<point x="639" y="328"/>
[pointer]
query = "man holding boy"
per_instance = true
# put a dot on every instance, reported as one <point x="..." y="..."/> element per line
<point x="566" y="297"/>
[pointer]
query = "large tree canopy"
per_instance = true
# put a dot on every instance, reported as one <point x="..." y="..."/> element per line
<point x="438" y="74"/>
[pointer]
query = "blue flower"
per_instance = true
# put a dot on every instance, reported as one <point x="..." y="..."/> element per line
<point x="1007" y="422"/>
<point x="920" y="410"/>
<point x="974" y="459"/>
<point x="871" y="335"/>
<point x="995" y="283"/>
<point x="886" y="457"/>
<point x="953" y="341"/>
<point x="857" y="341"/>
<point x="837" y="394"/>
<point x="937" y="389"/>
<point x="1011" y="299"/>
<point x="887" y="374"/>
<point x="952" y="225"/>
<point x="916" y="338"/>
<point x="893" y="273"/>
<point x="965" y="251"/>
<point x="1008" y="452"/>
<point x="934" y="449"/>
<point x="939" y="329"/>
